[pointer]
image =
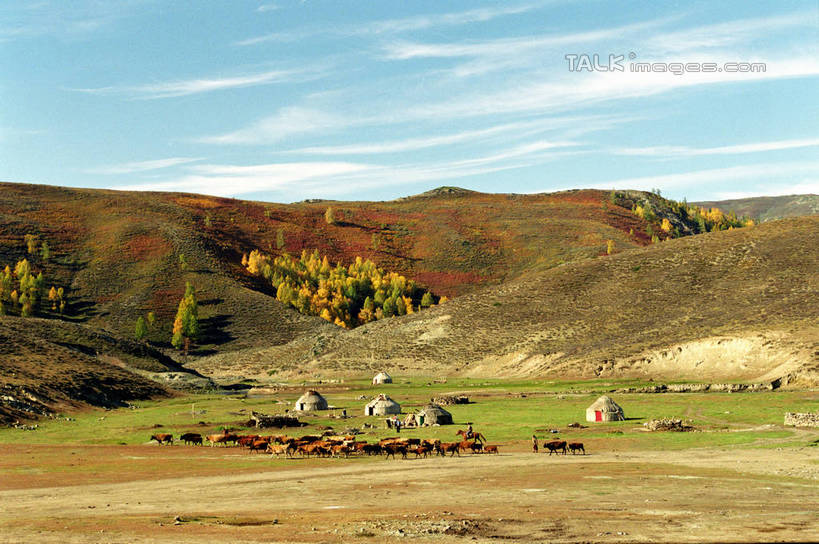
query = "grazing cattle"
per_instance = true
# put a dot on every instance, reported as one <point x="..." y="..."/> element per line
<point x="339" y="449"/>
<point x="450" y="447"/>
<point x="246" y="441"/>
<point x="574" y="447"/>
<point x="278" y="449"/>
<point x="423" y="449"/>
<point x="475" y="447"/>
<point x="372" y="449"/>
<point x="163" y="438"/>
<point x="555" y="446"/>
<point x="490" y="449"/>
<point x="392" y="449"/>
<point x="222" y="438"/>
<point x="258" y="445"/>
<point x="310" y="438"/>
<point x="191" y="438"/>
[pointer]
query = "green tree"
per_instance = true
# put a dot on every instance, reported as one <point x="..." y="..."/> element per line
<point x="400" y="306"/>
<point x="45" y="252"/>
<point x="389" y="307"/>
<point x="427" y="300"/>
<point x="141" y="329"/>
<point x="279" y="239"/>
<point x="183" y="263"/>
<point x="151" y="319"/>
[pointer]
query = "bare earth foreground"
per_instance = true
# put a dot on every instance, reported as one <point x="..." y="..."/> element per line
<point x="695" y="495"/>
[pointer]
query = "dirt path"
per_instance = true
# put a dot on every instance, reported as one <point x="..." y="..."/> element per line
<point x="693" y="495"/>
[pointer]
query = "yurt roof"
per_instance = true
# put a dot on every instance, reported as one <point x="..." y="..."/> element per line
<point x="605" y="404"/>
<point x="382" y="374"/>
<point x="382" y="399"/>
<point x="311" y="396"/>
<point x="434" y="409"/>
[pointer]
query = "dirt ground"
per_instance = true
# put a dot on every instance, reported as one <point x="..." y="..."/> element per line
<point x="180" y="495"/>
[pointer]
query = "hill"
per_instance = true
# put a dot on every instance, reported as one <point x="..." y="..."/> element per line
<point x="120" y="255"/>
<point x="769" y="208"/>
<point x="731" y="305"/>
<point x="47" y="366"/>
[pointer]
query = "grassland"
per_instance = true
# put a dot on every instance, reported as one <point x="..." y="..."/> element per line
<point x="741" y="476"/>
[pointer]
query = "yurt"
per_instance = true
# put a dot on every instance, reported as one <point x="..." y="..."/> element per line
<point x="433" y="414"/>
<point x="382" y="377"/>
<point x="382" y="405"/>
<point x="311" y="400"/>
<point x="604" y="409"/>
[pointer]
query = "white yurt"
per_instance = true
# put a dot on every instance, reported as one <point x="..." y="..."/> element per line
<point x="433" y="414"/>
<point x="311" y="400"/>
<point x="382" y="377"/>
<point x="382" y="405"/>
<point x="605" y="409"/>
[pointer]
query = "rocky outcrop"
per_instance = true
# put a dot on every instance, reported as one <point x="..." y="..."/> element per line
<point x="796" y="419"/>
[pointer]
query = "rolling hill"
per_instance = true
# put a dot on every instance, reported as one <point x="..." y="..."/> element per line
<point x="769" y="208"/>
<point x="722" y="306"/>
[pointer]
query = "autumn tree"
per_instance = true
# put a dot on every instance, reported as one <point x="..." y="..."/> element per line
<point x="279" y="239"/>
<point x="151" y="318"/>
<point x="52" y="296"/>
<point x="31" y="243"/>
<point x="45" y="251"/>
<point x="186" y="323"/>
<point x="609" y="247"/>
<point x="329" y="216"/>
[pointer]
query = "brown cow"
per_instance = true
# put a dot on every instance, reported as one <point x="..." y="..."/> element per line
<point x="490" y="449"/>
<point x="258" y="445"/>
<point x="423" y="449"/>
<point x="555" y="446"/>
<point x="222" y="438"/>
<point x="392" y="449"/>
<point x="449" y="447"/>
<point x="163" y="438"/>
<point x="191" y="438"/>
<point x="575" y="447"/>
<point x="474" y="446"/>
<point x="278" y="450"/>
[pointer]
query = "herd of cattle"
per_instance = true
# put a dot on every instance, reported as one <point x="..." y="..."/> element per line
<point x="336" y="446"/>
<point x="331" y="446"/>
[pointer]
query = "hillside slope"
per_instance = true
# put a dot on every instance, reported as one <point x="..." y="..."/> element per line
<point x="120" y="254"/>
<point x="768" y="208"/>
<point x="731" y="305"/>
<point x="47" y="366"/>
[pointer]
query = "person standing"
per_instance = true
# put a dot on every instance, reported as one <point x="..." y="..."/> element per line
<point x="534" y="444"/>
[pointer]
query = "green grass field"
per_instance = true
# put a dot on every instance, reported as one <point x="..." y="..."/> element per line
<point x="507" y="412"/>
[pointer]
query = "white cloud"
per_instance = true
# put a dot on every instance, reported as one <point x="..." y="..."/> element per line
<point x="395" y="26"/>
<point x="267" y="7"/>
<point x="286" y="122"/>
<point x="141" y="166"/>
<point x="169" y="89"/>
<point x="508" y="130"/>
<point x="684" y="151"/>
<point x="788" y="174"/>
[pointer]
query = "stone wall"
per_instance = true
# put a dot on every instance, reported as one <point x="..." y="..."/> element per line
<point x="802" y="420"/>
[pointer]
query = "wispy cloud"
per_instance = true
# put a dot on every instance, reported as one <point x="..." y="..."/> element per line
<point x="334" y="178"/>
<point x="286" y="122"/>
<point x="141" y="166"/>
<point x="684" y="151"/>
<point x="727" y="34"/>
<point x="401" y="25"/>
<point x="520" y="129"/>
<point x="169" y="89"/>
<point x="788" y="173"/>
<point x="267" y="7"/>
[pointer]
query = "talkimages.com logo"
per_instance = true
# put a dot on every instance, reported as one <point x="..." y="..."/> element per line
<point x="583" y="62"/>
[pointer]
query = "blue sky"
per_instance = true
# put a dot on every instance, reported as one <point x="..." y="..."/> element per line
<point x="285" y="100"/>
